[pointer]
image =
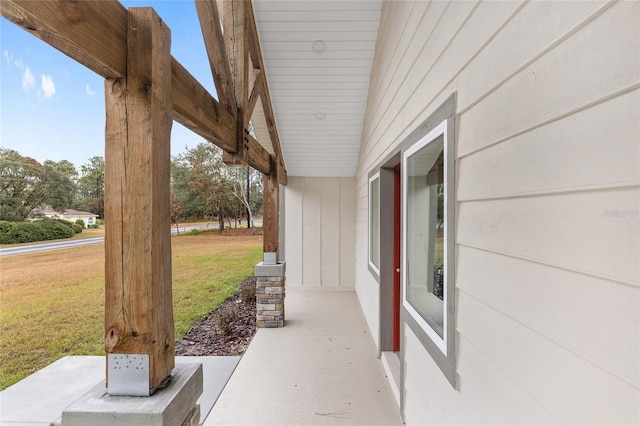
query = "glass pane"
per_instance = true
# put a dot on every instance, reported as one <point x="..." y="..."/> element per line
<point x="375" y="222"/>
<point x="425" y="287"/>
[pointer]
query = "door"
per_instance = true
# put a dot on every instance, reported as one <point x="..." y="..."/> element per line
<point x="396" y="257"/>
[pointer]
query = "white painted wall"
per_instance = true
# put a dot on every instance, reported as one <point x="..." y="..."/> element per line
<point x="320" y="232"/>
<point x="548" y="191"/>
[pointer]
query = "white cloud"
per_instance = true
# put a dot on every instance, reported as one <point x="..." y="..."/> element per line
<point x="10" y="58"/>
<point x="48" y="88"/>
<point x="28" y="80"/>
<point x="89" y="91"/>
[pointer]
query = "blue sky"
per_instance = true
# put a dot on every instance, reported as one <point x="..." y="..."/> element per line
<point x="52" y="108"/>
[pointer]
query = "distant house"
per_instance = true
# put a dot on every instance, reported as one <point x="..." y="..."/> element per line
<point x="70" y="215"/>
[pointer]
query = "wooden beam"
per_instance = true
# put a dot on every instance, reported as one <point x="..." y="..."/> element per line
<point x="236" y="30"/>
<point x="138" y="304"/>
<point x="258" y="63"/>
<point x="93" y="33"/>
<point x="256" y="88"/>
<point x="273" y="133"/>
<point x="209" y="17"/>
<point x="271" y="213"/>
<point x="259" y="158"/>
<point x="197" y="110"/>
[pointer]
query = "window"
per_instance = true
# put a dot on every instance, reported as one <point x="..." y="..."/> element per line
<point x="427" y="268"/>
<point x="424" y="230"/>
<point x="374" y="223"/>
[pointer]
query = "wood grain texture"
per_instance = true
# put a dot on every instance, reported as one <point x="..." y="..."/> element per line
<point x="92" y="33"/>
<point x="198" y="111"/>
<point x="214" y="42"/>
<point x="236" y="36"/>
<point x="258" y="157"/>
<point x="258" y="63"/>
<point x="138" y="311"/>
<point x="271" y="214"/>
<point x="256" y="88"/>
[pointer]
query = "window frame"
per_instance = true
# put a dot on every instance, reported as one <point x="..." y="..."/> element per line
<point x="442" y="120"/>
<point x="375" y="269"/>
<point x="432" y="136"/>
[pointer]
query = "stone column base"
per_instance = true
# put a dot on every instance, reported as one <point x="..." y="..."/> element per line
<point x="270" y="294"/>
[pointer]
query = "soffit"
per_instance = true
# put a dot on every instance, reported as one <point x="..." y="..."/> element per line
<point x="318" y="98"/>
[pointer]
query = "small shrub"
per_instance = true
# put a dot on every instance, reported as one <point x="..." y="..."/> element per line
<point x="195" y="232"/>
<point x="227" y="316"/>
<point x="80" y="222"/>
<point x="77" y="228"/>
<point x="248" y="293"/>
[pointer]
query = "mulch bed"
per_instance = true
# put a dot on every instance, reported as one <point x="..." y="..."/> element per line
<point x="227" y="330"/>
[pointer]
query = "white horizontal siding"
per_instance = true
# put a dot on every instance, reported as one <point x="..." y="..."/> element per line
<point x="606" y="59"/>
<point x="537" y="160"/>
<point x="489" y="397"/>
<point x="578" y="231"/>
<point x="538" y="297"/>
<point x="548" y="190"/>
<point x="567" y="385"/>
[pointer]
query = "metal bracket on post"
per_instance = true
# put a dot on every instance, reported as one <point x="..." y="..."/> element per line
<point x="128" y="374"/>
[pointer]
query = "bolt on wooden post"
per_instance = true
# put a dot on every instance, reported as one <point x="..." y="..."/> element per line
<point x="138" y="305"/>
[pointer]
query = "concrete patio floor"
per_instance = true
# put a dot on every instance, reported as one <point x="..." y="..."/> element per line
<point x="321" y="368"/>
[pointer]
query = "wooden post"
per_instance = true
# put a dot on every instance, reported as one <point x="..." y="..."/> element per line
<point x="236" y="32"/>
<point x="138" y="306"/>
<point x="271" y="207"/>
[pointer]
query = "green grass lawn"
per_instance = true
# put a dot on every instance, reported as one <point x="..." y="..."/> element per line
<point x="52" y="304"/>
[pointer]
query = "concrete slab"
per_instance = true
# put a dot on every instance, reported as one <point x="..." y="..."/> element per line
<point x="321" y="368"/>
<point x="170" y="405"/>
<point x="40" y="398"/>
<point x="216" y="371"/>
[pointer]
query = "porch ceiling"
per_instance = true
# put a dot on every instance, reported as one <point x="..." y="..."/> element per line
<point x="318" y="56"/>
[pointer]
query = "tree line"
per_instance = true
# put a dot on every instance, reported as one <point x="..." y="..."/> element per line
<point x="202" y="186"/>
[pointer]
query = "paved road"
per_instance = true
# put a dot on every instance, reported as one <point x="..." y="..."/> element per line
<point x="58" y="245"/>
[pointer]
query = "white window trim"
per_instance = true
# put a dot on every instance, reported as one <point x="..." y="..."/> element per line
<point x="440" y="342"/>
<point x="370" y="210"/>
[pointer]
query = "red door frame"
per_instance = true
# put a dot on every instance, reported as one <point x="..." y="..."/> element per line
<point x="396" y="257"/>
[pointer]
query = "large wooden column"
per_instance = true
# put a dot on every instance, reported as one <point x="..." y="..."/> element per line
<point x="237" y="40"/>
<point x="271" y="215"/>
<point x="138" y="307"/>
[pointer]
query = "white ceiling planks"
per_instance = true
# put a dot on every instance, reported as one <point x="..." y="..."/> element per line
<point x="318" y="56"/>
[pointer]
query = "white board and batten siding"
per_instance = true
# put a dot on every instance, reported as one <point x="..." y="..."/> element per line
<point x="320" y="232"/>
<point x="548" y="184"/>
